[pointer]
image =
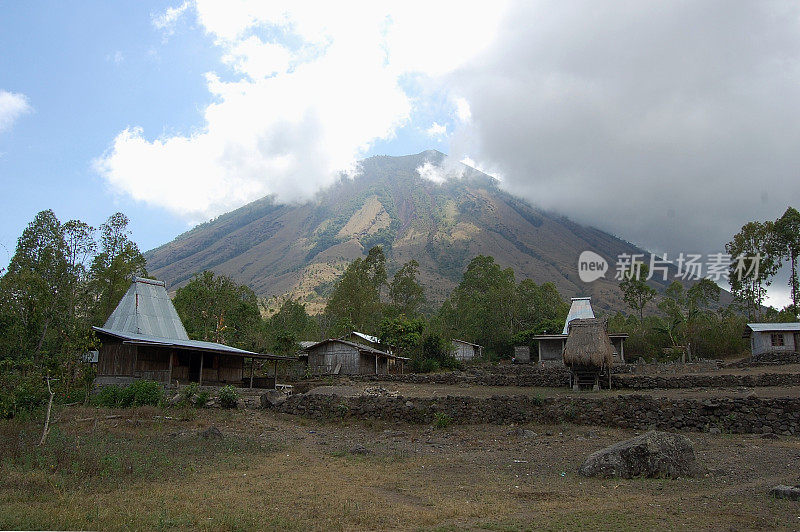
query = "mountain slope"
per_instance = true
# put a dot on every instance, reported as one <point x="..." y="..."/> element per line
<point x="301" y="249"/>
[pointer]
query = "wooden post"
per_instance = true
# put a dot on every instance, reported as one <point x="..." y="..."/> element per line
<point x="276" y="372"/>
<point x="169" y="377"/>
<point x="200" y="379"/>
<point x="252" y="365"/>
<point x="376" y="364"/>
<point x="539" y="345"/>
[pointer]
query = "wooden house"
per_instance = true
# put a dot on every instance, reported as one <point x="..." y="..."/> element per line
<point x="773" y="337"/>
<point x="145" y="339"/>
<point x="342" y="357"/>
<point x="464" y="351"/>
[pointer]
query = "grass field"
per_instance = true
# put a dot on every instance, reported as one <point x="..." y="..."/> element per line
<point x="148" y="468"/>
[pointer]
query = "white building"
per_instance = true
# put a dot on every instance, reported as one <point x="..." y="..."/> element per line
<point x="773" y="337"/>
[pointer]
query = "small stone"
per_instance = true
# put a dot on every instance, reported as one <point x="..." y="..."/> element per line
<point x="211" y="432"/>
<point x="714" y="430"/>
<point x="770" y="436"/>
<point x="359" y="449"/>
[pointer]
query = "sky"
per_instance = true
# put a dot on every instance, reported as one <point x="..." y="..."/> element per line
<point x="668" y="124"/>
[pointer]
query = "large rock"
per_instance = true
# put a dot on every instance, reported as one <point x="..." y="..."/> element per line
<point x="272" y="398"/>
<point x="654" y="454"/>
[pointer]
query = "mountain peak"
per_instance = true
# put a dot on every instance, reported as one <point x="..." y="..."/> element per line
<point x="302" y="249"/>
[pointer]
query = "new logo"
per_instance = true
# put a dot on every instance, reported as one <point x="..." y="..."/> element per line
<point x="591" y="266"/>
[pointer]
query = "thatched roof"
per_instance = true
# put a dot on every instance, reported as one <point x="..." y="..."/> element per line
<point x="588" y="344"/>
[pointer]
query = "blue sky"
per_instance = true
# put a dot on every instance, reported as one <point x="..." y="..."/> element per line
<point x="89" y="70"/>
<point x="669" y="125"/>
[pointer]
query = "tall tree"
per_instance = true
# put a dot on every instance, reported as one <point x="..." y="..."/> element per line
<point x="405" y="293"/>
<point x="786" y="244"/>
<point x="119" y="260"/>
<point x="214" y="308"/>
<point x="635" y="290"/>
<point x="33" y="290"/>
<point x="481" y="309"/>
<point x="355" y="302"/>
<point x="751" y="268"/>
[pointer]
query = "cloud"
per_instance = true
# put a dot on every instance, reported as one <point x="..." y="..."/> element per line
<point x="166" y="21"/>
<point x="312" y="87"/>
<point x="668" y="124"/>
<point x="437" y="131"/>
<point x="12" y="106"/>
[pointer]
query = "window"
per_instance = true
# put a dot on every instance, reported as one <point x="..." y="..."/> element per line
<point x="777" y="339"/>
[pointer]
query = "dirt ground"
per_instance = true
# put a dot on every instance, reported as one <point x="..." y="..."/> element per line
<point x="294" y="473"/>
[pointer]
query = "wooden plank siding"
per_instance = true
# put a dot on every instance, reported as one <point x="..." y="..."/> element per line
<point x="117" y="359"/>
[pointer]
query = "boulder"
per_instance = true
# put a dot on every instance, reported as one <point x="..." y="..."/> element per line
<point x="785" y="492"/>
<point x="653" y="454"/>
<point x="272" y="398"/>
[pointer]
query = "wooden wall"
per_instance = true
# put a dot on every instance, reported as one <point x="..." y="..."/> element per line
<point x="116" y="359"/>
<point x="325" y="359"/>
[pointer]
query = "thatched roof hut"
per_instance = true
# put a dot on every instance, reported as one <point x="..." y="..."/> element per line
<point x="588" y="345"/>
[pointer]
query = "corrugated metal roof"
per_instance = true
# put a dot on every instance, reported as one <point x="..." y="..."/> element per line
<point x="147" y="310"/>
<point x="581" y="309"/>
<point x="367" y="337"/>
<point x="196" y="345"/>
<point x="361" y="347"/>
<point x="767" y="327"/>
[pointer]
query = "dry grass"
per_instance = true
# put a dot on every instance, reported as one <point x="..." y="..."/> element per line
<point x="274" y="472"/>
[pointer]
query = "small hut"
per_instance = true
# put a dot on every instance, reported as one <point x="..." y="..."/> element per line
<point x="588" y="353"/>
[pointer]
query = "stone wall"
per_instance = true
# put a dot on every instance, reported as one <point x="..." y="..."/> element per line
<point x="767" y="359"/>
<point x="558" y="377"/>
<point x="733" y="415"/>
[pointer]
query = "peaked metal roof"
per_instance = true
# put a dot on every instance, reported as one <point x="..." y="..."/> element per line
<point x="146" y="310"/>
<point x="581" y="309"/>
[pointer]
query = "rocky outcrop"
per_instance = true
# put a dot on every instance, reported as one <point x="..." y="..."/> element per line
<point x="653" y="454"/>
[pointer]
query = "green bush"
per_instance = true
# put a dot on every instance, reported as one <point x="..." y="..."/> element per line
<point x="428" y="365"/>
<point x="228" y="397"/>
<point x="138" y="393"/>
<point x="188" y="392"/>
<point x="202" y="398"/>
<point x="442" y="420"/>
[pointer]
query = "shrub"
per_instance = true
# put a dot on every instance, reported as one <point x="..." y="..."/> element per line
<point x="188" y="392"/>
<point x="442" y="420"/>
<point x="228" y="397"/>
<point x="144" y="392"/>
<point x="202" y="398"/>
<point x="138" y="393"/>
<point x="108" y="396"/>
<point x="428" y="365"/>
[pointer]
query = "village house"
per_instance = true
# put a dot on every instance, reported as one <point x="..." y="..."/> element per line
<point x="773" y="337"/>
<point x="343" y="357"/>
<point x="551" y="346"/>
<point x="464" y="351"/>
<point x="144" y="338"/>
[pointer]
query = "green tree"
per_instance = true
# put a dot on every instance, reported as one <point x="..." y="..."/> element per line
<point x="786" y="245"/>
<point x="355" y="302"/>
<point x="482" y="307"/>
<point x="35" y="288"/>
<point x="751" y="268"/>
<point x="635" y="290"/>
<point x="214" y="308"/>
<point x="405" y="293"/>
<point x="402" y="333"/>
<point x="288" y="326"/>
<point x="113" y="267"/>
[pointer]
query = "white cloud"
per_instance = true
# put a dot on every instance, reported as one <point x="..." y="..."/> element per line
<point x="437" y="130"/>
<point x="315" y="86"/>
<point x="12" y="106"/>
<point x="166" y="21"/>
